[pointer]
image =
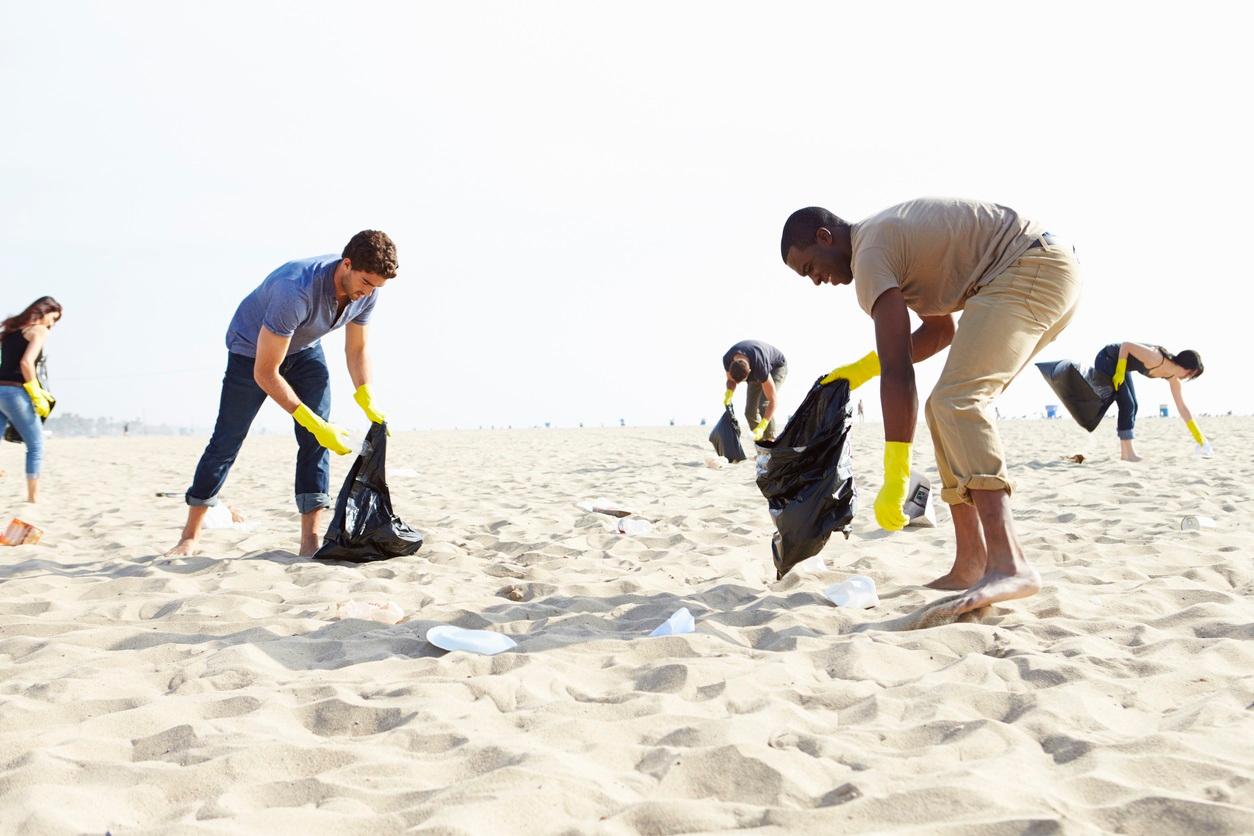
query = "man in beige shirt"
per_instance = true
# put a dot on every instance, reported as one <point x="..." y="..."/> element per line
<point x="1017" y="288"/>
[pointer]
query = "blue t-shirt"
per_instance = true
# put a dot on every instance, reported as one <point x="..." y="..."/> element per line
<point x="297" y="301"/>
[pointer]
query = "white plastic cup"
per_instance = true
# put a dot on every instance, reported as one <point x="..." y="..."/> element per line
<point x="1195" y="522"/>
<point x="856" y="592"/>
<point x="634" y="525"/>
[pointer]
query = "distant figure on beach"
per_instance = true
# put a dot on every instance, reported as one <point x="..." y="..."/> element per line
<point x="23" y="401"/>
<point x="861" y="414"/>
<point x="764" y="367"/>
<point x="274" y="351"/>
<point x="1154" y="361"/>
<point x="1017" y="287"/>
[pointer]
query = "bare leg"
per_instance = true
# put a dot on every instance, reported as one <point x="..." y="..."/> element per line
<point x="310" y="532"/>
<point x="189" y="542"/>
<point x="1126" y="451"/>
<point x="1007" y="575"/>
<point x="971" y="554"/>
<point x="32" y="489"/>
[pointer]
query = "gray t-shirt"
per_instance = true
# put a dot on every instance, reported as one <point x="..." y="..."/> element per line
<point x="297" y="301"/>
<point x="763" y="358"/>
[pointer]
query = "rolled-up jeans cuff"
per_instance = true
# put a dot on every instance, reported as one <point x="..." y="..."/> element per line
<point x="962" y="493"/>
<point x="306" y="502"/>
<point x="1125" y="435"/>
<point x="197" y="502"/>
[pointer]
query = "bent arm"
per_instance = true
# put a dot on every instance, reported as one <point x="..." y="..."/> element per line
<point x="271" y="349"/>
<point x="1148" y="355"/>
<point x="898" y="397"/>
<point x="36" y="336"/>
<point x="355" y="354"/>
<point x="768" y="392"/>
<point x="1177" y="394"/>
<point x="933" y="335"/>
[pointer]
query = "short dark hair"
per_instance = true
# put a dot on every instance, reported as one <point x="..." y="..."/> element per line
<point x="1191" y="360"/>
<point x="739" y="369"/>
<point x="371" y="251"/>
<point x="801" y="226"/>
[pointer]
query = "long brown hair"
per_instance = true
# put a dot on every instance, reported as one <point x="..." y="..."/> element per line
<point x="38" y="309"/>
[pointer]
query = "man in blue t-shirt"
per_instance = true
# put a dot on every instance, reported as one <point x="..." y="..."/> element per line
<point x="764" y="367"/>
<point x="274" y="351"/>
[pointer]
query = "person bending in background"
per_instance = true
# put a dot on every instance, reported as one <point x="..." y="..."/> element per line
<point x="23" y="401"/>
<point x="1154" y="361"/>
<point x="764" y="367"/>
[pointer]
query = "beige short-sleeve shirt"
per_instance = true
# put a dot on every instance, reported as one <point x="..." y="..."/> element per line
<point x="937" y="250"/>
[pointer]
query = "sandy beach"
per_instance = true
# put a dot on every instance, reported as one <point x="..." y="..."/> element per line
<point x="220" y="694"/>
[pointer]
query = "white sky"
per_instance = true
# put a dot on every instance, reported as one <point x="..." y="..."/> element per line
<point x="587" y="199"/>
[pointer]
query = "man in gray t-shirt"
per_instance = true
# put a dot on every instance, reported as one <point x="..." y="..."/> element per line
<point x="764" y="367"/>
<point x="274" y="351"/>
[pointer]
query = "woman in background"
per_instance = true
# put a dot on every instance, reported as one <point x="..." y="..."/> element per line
<point x="23" y="401"/>
<point x="1154" y="361"/>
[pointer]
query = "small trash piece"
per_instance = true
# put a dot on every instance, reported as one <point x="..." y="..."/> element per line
<point x="1195" y="522"/>
<point x="20" y="533"/>
<point x="171" y="494"/>
<point x="855" y="592"/>
<point x="726" y="437"/>
<point x="483" y="642"/>
<point x="222" y="516"/>
<point x="601" y="505"/>
<point x="1086" y="394"/>
<point x="1203" y="451"/>
<point x="634" y="525"/>
<point x="364" y="527"/>
<point x="384" y="612"/>
<point x="813" y="565"/>
<point x="1078" y="458"/>
<point x="679" y="623"/>
<point x="918" y="505"/>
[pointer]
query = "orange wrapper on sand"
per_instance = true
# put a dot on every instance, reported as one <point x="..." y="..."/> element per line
<point x="18" y="533"/>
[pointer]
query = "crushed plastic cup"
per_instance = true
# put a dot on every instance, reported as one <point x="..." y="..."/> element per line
<point x="483" y="642"/>
<point x="354" y="440"/>
<point x="855" y="592"/>
<point x="918" y="505"/>
<point x="220" y="516"/>
<point x="20" y="533"/>
<point x="1196" y="522"/>
<point x="678" y="624"/>
<point x="634" y="525"/>
<point x="384" y="612"/>
<point x="1203" y="451"/>
<point x="814" y="565"/>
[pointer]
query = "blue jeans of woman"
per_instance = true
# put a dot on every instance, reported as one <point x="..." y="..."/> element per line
<point x="306" y="372"/>
<point x="16" y="409"/>
<point x="1125" y="395"/>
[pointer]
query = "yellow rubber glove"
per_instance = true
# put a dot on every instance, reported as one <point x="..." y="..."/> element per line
<point x="1195" y="432"/>
<point x="38" y="398"/>
<point x="329" y="436"/>
<point x="1121" y="371"/>
<point x="365" y="399"/>
<point x="856" y="373"/>
<point x="760" y="429"/>
<point x="892" y="495"/>
<point x="727" y="397"/>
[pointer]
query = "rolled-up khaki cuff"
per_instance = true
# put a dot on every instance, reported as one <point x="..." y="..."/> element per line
<point x="962" y="493"/>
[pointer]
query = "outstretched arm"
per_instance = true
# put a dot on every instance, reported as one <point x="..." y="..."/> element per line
<point x="898" y="397"/>
<point x="1177" y="395"/>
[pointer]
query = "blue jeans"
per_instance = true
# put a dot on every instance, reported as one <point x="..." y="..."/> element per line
<point x="16" y="409"/>
<point x="1125" y="396"/>
<point x="306" y="372"/>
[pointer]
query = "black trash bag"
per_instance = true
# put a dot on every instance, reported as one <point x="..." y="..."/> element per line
<point x="1086" y="395"/>
<point x="364" y="527"/>
<point x="806" y="476"/>
<point x="726" y="437"/>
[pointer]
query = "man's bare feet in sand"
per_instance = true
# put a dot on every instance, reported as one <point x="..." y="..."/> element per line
<point x="971" y="554"/>
<point x="185" y="548"/>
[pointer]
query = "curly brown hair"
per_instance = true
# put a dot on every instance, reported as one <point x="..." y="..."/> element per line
<point x="372" y="251"/>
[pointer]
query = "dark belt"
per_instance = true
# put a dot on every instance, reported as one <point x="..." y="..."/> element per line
<point x="1047" y="239"/>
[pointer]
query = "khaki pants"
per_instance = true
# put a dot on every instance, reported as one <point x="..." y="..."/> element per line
<point x="756" y="402"/>
<point x="1004" y="325"/>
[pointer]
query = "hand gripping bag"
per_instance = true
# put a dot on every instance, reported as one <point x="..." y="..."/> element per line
<point x="726" y="437"/>
<point x="364" y="527"/>
<point x="806" y="475"/>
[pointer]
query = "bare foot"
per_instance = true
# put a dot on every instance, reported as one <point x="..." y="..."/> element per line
<point x="1130" y="457"/>
<point x="186" y="548"/>
<point x="955" y="580"/>
<point x="993" y="589"/>
<point x="236" y="515"/>
<point x="309" y="545"/>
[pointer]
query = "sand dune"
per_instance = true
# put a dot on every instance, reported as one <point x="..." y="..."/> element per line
<point x="218" y="694"/>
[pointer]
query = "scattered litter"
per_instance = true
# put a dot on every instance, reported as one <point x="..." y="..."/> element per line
<point x="388" y="612"/>
<point x="856" y="592"/>
<point x="170" y="494"/>
<point x="814" y="565"/>
<point x="20" y="533"/>
<point x="224" y="516"/>
<point x="483" y="642"/>
<point x="1078" y="458"/>
<point x="713" y="463"/>
<point x="918" y="505"/>
<point x="634" y="525"/>
<point x="678" y="624"/>
<point x="1203" y="451"/>
<point x="1195" y="522"/>
<point x="601" y="505"/>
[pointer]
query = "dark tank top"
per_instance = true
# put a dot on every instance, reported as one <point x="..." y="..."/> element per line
<point x="12" y="347"/>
